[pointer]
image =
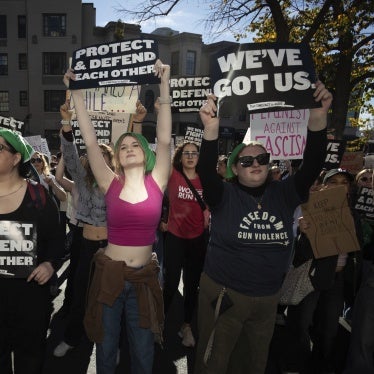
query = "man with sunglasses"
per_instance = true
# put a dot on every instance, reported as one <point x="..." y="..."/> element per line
<point x="250" y="243"/>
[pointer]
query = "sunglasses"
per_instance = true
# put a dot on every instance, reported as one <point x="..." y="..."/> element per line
<point x="190" y="154"/>
<point x="4" y="148"/>
<point x="247" y="161"/>
<point x="36" y="159"/>
<point x="366" y="179"/>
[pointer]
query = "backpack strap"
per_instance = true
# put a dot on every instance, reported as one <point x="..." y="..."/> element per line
<point x="37" y="193"/>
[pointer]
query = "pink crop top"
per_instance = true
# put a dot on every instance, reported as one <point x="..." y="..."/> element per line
<point x="133" y="224"/>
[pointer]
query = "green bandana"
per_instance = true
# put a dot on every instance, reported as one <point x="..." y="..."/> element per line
<point x="18" y="143"/>
<point x="150" y="158"/>
<point x="231" y="160"/>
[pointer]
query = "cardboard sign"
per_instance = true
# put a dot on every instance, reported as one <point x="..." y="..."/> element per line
<point x="110" y="99"/>
<point x="282" y="133"/>
<point x="263" y="77"/>
<point x="124" y="63"/>
<point x="189" y="93"/>
<point x="18" y="243"/>
<point x="12" y="124"/>
<point x="335" y="150"/>
<point x="332" y="228"/>
<point x="365" y="202"/>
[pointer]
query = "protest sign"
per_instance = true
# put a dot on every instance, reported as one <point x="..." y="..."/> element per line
<point x="332" y="230"/>
<point x="110" y="99"/>
<point x="335" y="150"/>
<point x="352" y="161"/>
<point x="12" y="124"/>
<point x="263" y="77"/>
<point x="193" y="134"/>
<point x="108" y="126"/>
<point x="18" y="241"/>
<point x="365" y="202"/>
<point x="123" y="63"/>
<point x="282" y="133"/>
<point x="189" y="93"/>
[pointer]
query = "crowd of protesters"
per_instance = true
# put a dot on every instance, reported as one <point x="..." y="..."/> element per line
<point x="222" y="215"/>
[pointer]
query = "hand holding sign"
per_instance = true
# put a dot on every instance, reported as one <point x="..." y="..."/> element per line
<point x="42" y="273"/>
<point x="318" y="116"/>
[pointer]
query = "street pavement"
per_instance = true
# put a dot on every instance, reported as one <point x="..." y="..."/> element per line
<point x="174" y="358"/>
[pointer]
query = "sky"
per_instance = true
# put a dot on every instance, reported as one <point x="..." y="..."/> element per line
<point x="185" y="17"/>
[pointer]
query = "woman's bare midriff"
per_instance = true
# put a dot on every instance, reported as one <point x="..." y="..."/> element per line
<point x="133" y="256"/>
<point x="91" y="232"/>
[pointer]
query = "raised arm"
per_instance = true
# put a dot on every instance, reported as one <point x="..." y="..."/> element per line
<point x="103" y="174"/>
<point x="162" y="167"/>
<point x="210" y="180"/>
<point x="66" y="183"/>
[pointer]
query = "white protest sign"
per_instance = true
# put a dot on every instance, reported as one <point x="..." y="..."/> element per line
<point x="282" y="133"/>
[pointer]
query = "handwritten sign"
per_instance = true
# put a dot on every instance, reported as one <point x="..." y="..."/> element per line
<point x="282" y="133"/>
<point x="123" y="63"/>
<point x="189" y="93"/>
<point x="332" y="229"/>
<point x="263" y="77"/>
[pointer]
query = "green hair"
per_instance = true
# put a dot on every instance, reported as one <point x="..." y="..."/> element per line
<point x="150" y="158"/>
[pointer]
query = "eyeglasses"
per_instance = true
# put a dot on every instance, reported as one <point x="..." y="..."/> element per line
<point x="36" y="159"/>
<point x="190" y="154"/>
<point x="366" y="179"/>
<point x="247" y="161"/>
<point x="4" y="148"/>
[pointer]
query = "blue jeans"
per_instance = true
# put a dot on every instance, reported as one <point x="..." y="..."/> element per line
<point x="141" y="341"/>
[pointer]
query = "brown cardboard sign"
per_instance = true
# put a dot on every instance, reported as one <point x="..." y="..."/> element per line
<point x="332" y="230"/>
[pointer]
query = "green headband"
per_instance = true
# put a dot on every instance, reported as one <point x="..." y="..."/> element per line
<point x="231" y="160"/>
<point x="18" y="143"/>
<point x="150" y="158"/>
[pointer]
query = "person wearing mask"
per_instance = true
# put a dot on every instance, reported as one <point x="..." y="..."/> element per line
<point x="250" y="240"/>
<point x="31" y="222"/>
<point x="125" y="279"/>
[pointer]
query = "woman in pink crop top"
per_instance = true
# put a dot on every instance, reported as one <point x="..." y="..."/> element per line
<point x="133" y="195"/>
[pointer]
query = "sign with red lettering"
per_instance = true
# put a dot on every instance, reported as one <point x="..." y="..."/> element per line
<point x="282" y="133"/>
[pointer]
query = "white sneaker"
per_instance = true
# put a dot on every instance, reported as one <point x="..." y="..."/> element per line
<point x="61" y="349"/>
<point x="186" y="334"/>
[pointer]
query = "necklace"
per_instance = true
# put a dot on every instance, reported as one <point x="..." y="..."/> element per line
<point x="258" y="201"/>
<point x="13" y="192"/>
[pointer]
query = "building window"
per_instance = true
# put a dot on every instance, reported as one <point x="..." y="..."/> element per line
<point x="53" y="100"/>
<point x="22" y="27"/>
<point x="4" y="101"/>
<point x="174" y="68"/>
<point x="3" y="64"/>
<point x="22" y="61"/>
<point x="191" y="63"/>
<point x="54" y="24"/>
<point x="23" y="98"/>
<point x="3" y="33"/>
<point x="54" y="63"/>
